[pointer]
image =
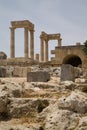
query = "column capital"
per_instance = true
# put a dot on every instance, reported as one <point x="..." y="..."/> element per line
<point x="12" y="28"/>
<point x="25" y="27"/>
<point x="46" y="41"/>
<point x="32" y="30"/>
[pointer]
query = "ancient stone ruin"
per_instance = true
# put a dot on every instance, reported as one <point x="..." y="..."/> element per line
<point x="72" y="55"/>
<point x="3" y="55"/>
<point x="44" y="38"/>
<point x="38" y="94"/>
<point x="28" y="26"/>
<point x="63" y="54"/>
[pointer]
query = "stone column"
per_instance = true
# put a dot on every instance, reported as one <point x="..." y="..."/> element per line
<point x="37" y="57"/>
<point x="32" y="44"/>
<point x="59" y="42"/>
<point x="41" y="49"/>
<point x="26" y="42"/>
<point x="46" y="50"/>
<point x="12" y="43"/>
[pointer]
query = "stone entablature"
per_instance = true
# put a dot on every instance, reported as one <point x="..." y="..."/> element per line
<point x="22" y="24"/>
<point x="44" y="38"/>
<point x="28" y="26"/>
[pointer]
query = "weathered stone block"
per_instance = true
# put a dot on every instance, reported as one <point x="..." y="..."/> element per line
<point x="2" y="72"/>
<point x="21" y="71"/>
<point x="3" y="55"/>
<point x="39" y="76"/>
<point x="67" y="72"/>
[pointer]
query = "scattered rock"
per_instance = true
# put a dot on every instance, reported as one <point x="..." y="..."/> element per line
<point x="80" y="80"/>
<point x="20" y="107"/>
<point x="82" y="87"/>
<point x="76" y="102"/>
<point x="69" y="85"/>
<point x="52" y="105"/>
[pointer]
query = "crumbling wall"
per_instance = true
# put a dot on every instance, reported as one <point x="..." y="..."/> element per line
<point x="17" y="71"/>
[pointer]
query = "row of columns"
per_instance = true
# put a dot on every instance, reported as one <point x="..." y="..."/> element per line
<point x="29" y="50"/>
<point x="26" y="50"/>
<point x="44" y="49"/>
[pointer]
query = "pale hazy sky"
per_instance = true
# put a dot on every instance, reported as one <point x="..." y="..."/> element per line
<point x="68" y="17"/>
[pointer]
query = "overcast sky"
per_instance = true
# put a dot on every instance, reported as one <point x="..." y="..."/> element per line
<point x="68" y="17"/>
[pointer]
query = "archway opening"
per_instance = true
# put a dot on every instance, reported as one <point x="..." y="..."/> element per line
<point x="73" y="60"/>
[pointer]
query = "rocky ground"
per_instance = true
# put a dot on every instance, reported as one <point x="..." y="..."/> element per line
<point x="52" y="105"/>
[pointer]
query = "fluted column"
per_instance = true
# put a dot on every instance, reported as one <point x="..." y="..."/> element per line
<point x="26" y="42"/>
<point x="32" y="44"/>
<point x="46" y="50"/>
<point x="41" y="49"/>
<point x="59" y="42"/>
<point x="12" y="43"/>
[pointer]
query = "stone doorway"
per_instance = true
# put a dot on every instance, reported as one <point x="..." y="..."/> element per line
<point x="73" y="60"/>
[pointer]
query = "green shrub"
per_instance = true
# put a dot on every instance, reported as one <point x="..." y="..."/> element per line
<point x="85" y="47"/>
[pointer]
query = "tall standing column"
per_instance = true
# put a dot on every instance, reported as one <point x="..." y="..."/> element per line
<point x="32" y="44"/>
<point x="12" y="43"/>
<point x="41" y="49"/>
<point x="59" y="42"/>
<point x="46" y="50"/>
<point x="26" y="42"/>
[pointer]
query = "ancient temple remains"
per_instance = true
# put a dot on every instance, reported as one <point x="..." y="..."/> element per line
<point x="44" y="38"/>
<point x="28" y="26"/>
<point x="72" y="55"/>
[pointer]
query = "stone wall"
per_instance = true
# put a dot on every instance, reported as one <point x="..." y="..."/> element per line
<point x="17" y="71"/>
<point x="63" y="53"/>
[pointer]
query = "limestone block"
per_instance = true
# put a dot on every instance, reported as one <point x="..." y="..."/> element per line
<point x="2" y="72"/>
<point x="67" y="72"/>
<point x="40" y="76"/>
<point x="21" y="71"/>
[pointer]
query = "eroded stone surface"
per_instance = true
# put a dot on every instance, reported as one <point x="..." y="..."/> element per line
<point x="42" y="105"/>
